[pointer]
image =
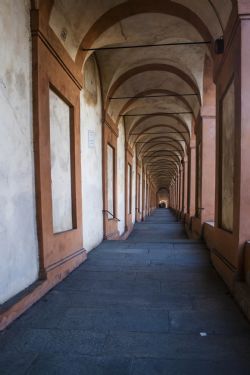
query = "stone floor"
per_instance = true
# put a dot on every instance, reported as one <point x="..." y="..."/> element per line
<point x="150" y="305"/>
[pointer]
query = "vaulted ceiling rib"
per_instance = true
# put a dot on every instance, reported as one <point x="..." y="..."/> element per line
<point x="157" y="92"/>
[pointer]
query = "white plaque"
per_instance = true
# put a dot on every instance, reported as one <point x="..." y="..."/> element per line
<point x="91" y="138"/>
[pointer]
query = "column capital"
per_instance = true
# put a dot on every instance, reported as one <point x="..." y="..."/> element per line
<point x="192" y="144"/>
<point x="243" y="7"/>
<point x="208" y="112"/>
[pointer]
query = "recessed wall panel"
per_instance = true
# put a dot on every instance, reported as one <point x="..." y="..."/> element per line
<point x="199" y="171"/>
<point x="227" y="162"/>
<point x="60" y="163"/>
<point x="129" y="189"/>
<point x="138" y="192"/>
<point x="110" y="180"/>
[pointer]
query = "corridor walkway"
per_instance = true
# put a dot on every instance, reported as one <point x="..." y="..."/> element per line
<point x="150" y="305"/>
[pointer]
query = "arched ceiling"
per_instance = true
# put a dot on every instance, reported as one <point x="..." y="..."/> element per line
<point x="160" y="126"/>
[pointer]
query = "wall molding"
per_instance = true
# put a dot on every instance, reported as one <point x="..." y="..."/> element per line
<point x="111" y="125"/>
<point x="223" y="259"/>
<point x="51" y="41"/>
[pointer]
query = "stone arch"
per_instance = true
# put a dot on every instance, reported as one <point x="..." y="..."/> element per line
<point x="152" y="67"/>
<point x="140" y="120"/>
<point x="150" y="92"/>
<point x="128" y="9"/>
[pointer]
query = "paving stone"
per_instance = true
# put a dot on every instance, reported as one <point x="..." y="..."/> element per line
<point x="193" y="288"/>
<point x="127" y="319"/>
<point x="158" y="366"/>
<point x="129" y="250"/>
<point x="52" y="341"/>
<point x="70" y="364"/>
<point x="110" y="286"/>
<point x="65" y="299"/>
<point x="121" y="262"/>
<point x="218" y="322"/>
<point x="134" y="307"/>
<point x="178" y="346"/>
<point x="42" y="315"/>
<point x="211" y="303"/>
<point x="102" y="275"/>
<point x="174" y="275"/>
<point x="16" y="363"/>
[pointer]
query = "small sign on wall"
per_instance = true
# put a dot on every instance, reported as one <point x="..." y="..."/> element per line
<point x="91" y="138"/>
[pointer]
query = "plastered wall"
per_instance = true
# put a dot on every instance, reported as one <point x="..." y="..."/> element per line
<point x="91" y="157"/>
<point x="18" y="239"/>
<point x="121" y="178"/>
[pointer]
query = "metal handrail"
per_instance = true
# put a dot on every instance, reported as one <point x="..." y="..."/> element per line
<point x="116" y="218"/>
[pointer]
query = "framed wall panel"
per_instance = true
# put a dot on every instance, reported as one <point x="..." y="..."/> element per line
<point x="110" y="223"/>
<point x="138" y="192"/>
<point x="60" y="151"/>
<point x="227" y="132"/>
<point x="57" y="161"/>
<point x="147" y="199"/>
<point x="143" y="194"/>
<point x="129" y="188"/>
<point x="198" y="182"/>
<point x="110" y="180"/>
